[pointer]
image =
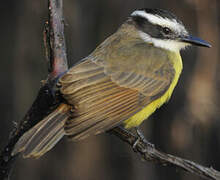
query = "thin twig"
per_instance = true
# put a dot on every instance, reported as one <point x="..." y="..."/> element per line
<point x="150" y="153"/>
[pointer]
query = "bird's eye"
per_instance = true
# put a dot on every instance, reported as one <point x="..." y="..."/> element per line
<point x="166" y="30"/>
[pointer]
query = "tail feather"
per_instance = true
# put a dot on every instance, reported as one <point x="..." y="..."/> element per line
<point x="49" y="144"/>
<point x="44" y="135"/>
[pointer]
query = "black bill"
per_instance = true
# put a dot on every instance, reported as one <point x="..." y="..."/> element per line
<point x="195" y="41"/>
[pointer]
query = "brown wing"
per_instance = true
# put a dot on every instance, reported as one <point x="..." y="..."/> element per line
<point x="106" y="93"/>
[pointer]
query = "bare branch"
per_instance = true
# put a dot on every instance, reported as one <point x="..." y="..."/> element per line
<point x="46" y="100"/>
<point x="58" y="58"/>
<point x="149" y="153"/>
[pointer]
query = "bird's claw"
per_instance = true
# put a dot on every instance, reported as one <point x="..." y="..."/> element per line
<point x="141" y="138"/>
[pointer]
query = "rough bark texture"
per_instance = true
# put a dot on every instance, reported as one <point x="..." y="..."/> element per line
<point x="47" y="100"/>
<point x="150" y="153"/>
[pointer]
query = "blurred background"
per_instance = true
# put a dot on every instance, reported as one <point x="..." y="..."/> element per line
<point x="188" y="126"/>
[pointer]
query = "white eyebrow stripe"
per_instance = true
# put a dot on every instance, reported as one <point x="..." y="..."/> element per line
<point x="156" y="19"/>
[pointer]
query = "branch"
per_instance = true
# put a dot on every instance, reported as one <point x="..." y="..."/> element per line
<point x="149" y="153"/>
<point x="54" y="39"/>
<point x="46" y="99"/>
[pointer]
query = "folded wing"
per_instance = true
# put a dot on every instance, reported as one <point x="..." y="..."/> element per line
<point x="104" y="96"/>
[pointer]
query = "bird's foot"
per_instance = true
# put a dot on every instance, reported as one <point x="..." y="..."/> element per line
<point x="141" y="138"/>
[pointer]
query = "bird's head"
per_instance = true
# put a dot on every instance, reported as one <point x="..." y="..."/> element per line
<point x="163" y="29"/>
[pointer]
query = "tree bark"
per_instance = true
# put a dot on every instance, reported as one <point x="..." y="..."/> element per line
<point x="47" y="100"/>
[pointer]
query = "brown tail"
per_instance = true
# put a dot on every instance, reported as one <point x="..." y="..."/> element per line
<point x="44" y="135"/>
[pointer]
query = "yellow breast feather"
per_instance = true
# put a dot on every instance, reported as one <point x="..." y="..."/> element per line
<point x="139" y="117"/>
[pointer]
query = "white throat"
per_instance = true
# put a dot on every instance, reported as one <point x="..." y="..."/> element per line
<point x="168" y="44"/>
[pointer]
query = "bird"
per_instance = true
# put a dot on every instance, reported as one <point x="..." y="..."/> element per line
<point x="121" y="83"/>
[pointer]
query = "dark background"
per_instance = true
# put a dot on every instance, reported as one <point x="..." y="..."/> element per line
<point x="188" y="126"/>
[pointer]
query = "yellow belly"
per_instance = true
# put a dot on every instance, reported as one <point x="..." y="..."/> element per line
<point x="139" y="117"/>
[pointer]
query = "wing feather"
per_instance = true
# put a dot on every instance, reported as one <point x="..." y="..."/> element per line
<point x="104" y="95"/>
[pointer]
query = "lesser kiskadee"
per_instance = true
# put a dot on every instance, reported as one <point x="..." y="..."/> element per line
<point x="122" y="82"/>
